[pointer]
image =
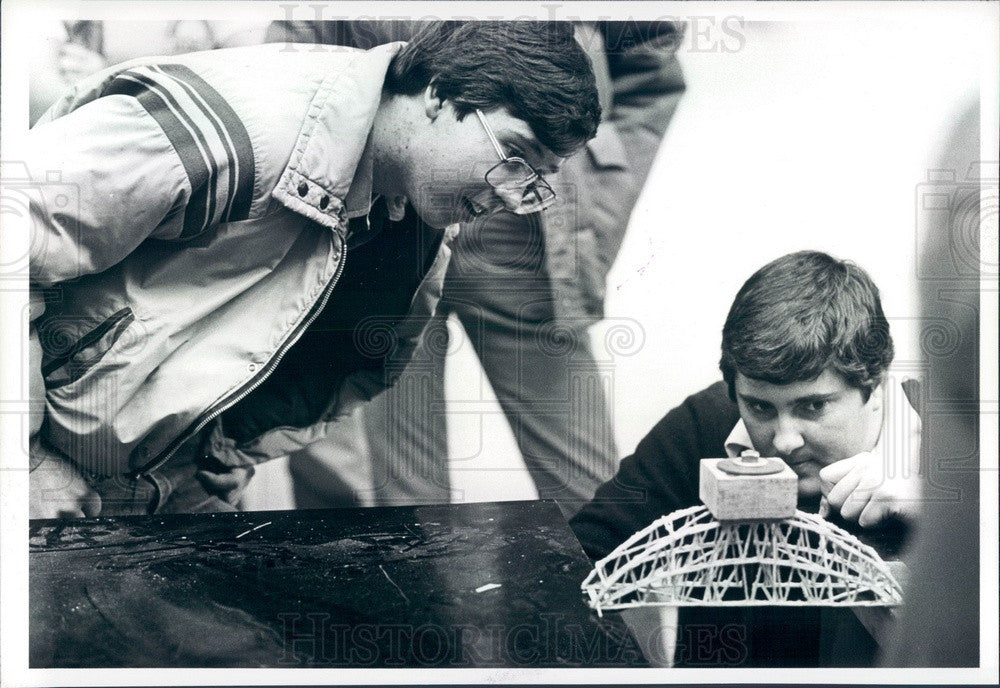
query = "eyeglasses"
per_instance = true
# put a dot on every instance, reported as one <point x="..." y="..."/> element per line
<point x="517" y="183"/>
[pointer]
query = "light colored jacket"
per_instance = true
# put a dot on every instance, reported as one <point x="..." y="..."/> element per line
<point x="190" y="218"/>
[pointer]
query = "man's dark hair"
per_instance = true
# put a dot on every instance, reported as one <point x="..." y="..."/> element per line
<point x="535" y="70"/>
<point x="801" y="314"/>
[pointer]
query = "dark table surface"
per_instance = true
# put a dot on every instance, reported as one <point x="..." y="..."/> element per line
<point x="484" y="585"/>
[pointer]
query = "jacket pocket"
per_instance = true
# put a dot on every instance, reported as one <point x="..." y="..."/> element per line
<point x="67" y="357"/>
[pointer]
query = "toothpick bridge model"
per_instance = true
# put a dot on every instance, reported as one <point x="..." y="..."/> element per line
<point x="746" y="545"/>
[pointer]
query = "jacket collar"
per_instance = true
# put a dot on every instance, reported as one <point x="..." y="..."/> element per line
<point x="329" y="175"/>
<point x="358" y="200"/>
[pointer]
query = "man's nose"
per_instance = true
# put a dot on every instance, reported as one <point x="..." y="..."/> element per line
<point x="487" y="202"/>
<point x="512" y="198"/>
<point x="787" y="436"/>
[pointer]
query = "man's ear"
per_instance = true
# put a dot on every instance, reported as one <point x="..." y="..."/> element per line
<point x="876" y="400"/>
<point x="433" y="103"/>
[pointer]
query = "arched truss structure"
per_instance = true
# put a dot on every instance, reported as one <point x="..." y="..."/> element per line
<point x="688" y="558"/>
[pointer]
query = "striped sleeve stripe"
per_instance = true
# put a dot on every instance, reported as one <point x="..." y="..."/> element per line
<point x="229" y="129"/>
<point x="182" y="138"/>
<point x="210" y="139"/>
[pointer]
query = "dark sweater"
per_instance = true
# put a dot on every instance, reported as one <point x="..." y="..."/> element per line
<point x="661" y="477"/>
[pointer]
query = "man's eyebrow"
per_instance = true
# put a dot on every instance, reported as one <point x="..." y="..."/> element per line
<point x="806" y="399"/>
<point x="750" y="399"/>
<point x="812" y="398"/>
<point x="542" y="153"/>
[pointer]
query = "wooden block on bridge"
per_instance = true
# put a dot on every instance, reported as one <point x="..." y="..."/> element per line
<point x="748" y="488"/>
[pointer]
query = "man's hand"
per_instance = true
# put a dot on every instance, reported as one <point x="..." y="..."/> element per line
<point x="56" y="488"/>
<point x="862" y="489"/>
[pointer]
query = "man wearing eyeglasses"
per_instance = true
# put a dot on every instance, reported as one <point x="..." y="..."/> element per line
<point x="512" y="183"/>
<point x="213" y="232"/>
<point x="525" y="287"/>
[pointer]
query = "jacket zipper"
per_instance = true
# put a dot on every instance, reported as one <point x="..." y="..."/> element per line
<point x="253" y="384"/>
